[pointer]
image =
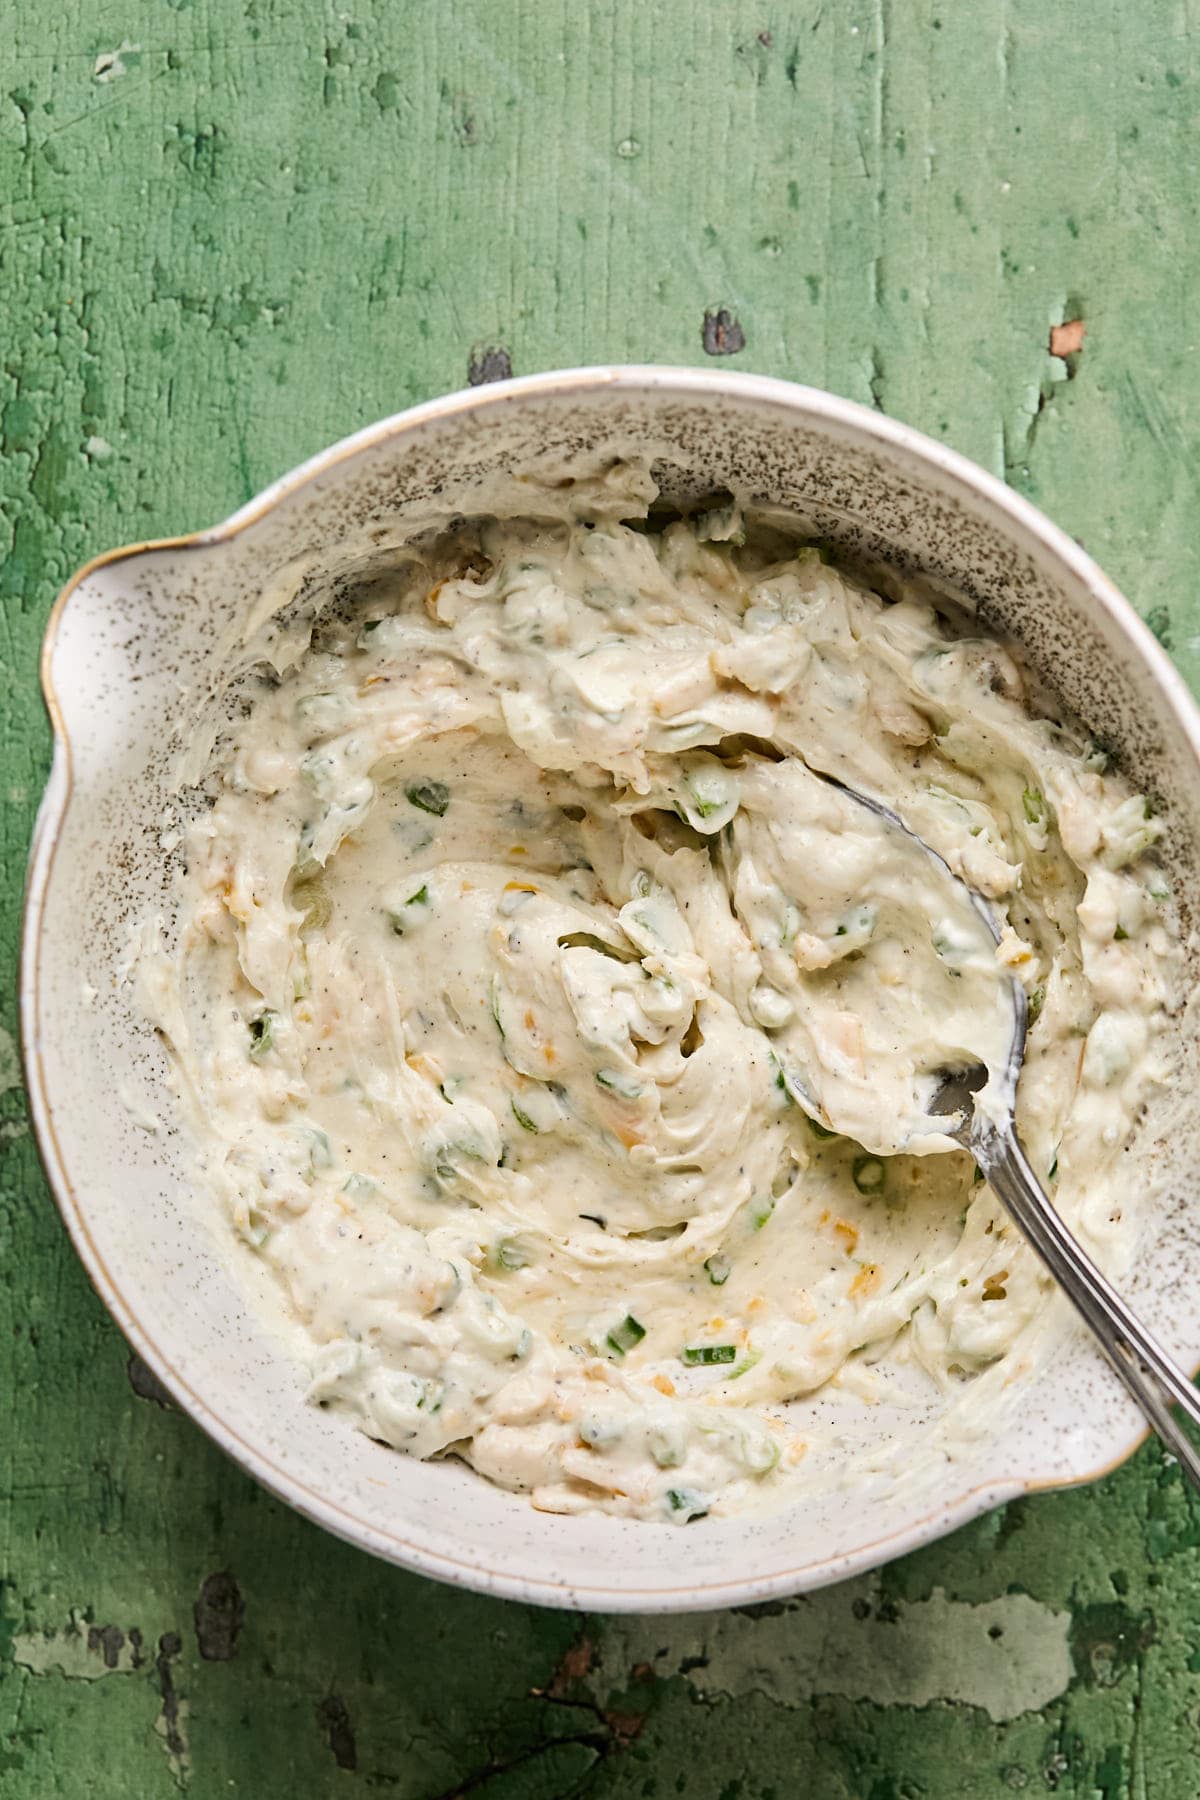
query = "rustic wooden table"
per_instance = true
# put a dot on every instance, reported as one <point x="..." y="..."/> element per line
<point x="233" y="230"/>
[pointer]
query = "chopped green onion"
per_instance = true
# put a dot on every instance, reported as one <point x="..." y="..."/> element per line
<point x="430" y="796"/>
<point x="318" y="769"/>
<point x="759" y="1451"/>
<point x="762" y="1212"/>
<point x="420" y="900"/>
<point x="1120" y="935"/>
<point x="615" y="1083"/>
<point x="494" y="1003"/>
<point x="321" y="713"/>
<point x="718" y="1267"/>
<point x="665" y="1442"/>
<point x="446" y="1157"/>
<point x="359" y="1186"/>
<point x="869" y="1174"/>
<point x="320" y="1154"/>
<point x="587" y="940"/>
<point x="1034" y="803"/>
<point x="705" y="1355"/>
<point x="306" y="862"/>
<point x="688" y="1502"/>
<point x="523" y="1119"/>
<point x="626" y="1335"/>
<point x="510" y="1255"/>
<point x="707" y="800"/>
<point x="818" y="1130"/>
<point x="254" y="1230"/>
<point x="262" y="1034"/>
<point x="721" y="524"/>
<point x="599" y="1432"/>
<point x="953" y="944"/>
<point x="860" y="923"/>
<point x="1034" y="1004"/>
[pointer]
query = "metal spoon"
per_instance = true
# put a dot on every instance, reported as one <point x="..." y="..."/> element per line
<point x="1150" y="1375"/>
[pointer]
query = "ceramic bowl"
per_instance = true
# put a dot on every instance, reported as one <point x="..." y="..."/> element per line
<point x="138" y="633"/>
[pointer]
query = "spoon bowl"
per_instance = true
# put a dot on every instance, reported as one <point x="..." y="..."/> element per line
<point x="975" y="1104"/>
<point x="952" y="1091"/>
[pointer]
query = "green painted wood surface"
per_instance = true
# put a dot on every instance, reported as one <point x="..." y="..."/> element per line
<point x="230" y="233"/>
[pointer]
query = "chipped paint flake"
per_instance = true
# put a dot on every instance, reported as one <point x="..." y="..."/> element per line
<point x="80" y="1651"/>
<point x="171" y="1723"/>
<point x="10" y="1062"/>
<point x="1006" y="1656"/>
<point x="110" y="65"/>
<point x="1067" y="339"/>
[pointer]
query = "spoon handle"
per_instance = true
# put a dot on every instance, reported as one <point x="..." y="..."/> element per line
<point x="1150" y="1375"/>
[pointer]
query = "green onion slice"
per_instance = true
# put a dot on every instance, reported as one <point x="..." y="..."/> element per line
<point x="626" y="1335"/>
<point x="869" y="1174"/>
<point x="430" y="796"/>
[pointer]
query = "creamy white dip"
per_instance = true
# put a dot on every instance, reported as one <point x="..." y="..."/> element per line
<point x="561" y="1038"/>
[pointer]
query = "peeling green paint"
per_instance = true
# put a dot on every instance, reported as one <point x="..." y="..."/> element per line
<point x="1006" y="1656"/>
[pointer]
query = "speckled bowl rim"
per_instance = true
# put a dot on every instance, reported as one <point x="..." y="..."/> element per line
<point x="807" y="404"/>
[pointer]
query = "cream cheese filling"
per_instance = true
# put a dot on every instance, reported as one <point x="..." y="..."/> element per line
<point x="560" y="1036"/>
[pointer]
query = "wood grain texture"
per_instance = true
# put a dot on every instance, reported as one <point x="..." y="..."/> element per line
<point x="232" y="230"/>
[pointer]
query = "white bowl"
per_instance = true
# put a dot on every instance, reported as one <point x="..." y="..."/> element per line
<point x="137" y="632"/>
